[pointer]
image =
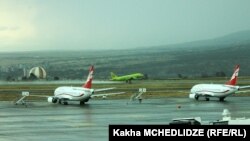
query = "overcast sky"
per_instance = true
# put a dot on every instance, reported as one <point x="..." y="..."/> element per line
<point x="27" y="25"/>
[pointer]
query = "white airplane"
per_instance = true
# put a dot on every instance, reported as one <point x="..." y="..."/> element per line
<point x="220" y="91"/>
<point x="65" y="93"/>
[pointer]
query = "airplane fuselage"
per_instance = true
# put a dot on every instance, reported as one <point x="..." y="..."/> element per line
<point x="129" y="77"/>
<point x="73" y="93"/>
<point x="212" y="90"/>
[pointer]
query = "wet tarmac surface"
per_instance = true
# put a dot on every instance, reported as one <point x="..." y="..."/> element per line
<point x="42" y="121"/>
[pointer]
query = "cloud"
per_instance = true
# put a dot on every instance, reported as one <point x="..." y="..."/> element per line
<point x="16" y="22"/>
<point x="3" y="28"/>
<point x="10" y="28"/>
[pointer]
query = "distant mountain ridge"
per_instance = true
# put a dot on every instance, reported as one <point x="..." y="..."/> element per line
<point x="194" y="59"/>
<point x="199" y="58"/>
<point x="208" y="56"/>
<point x="233" y="39"/>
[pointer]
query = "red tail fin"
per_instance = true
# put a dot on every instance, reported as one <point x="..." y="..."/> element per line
<point x="88" y="82"/>
<point x="234" y="77"/>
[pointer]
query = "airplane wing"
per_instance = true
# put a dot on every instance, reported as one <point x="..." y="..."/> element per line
<point x="104" y="95"/>
<point x="244" y="87"/>
<point x="103" y="89"/>
<point x="243" y="91"/>
<point x="47" y="96"/>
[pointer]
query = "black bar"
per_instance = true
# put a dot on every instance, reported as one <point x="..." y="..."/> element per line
<point x="172" y="132"/>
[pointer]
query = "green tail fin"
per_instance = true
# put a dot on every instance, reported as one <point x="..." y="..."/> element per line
<point x="113" y="75"/>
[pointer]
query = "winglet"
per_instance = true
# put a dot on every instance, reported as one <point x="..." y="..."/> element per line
<point x="88" y="82"/>
<point x="234" y="77"/>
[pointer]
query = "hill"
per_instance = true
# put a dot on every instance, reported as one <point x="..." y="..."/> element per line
<point x="194" y="59"/>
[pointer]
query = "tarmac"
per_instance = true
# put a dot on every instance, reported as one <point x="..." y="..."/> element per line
<point x="42" y="121"/>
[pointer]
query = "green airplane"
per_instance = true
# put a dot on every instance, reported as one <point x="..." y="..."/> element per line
<point x="127" y="78"/>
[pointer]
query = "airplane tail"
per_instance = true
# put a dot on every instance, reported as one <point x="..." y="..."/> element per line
<point x="234" y="77"/>
<point x="113" y="75"/>
<point x="88" y="82"/>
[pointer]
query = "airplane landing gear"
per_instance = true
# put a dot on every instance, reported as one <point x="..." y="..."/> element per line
<point x="129" y="81"/>
<point x="62" y="102"/>
<point x="82" y="102"/>
<point x="54" y="100"/>
<point x="222" y="98"/>
<point x="196" y="97"/>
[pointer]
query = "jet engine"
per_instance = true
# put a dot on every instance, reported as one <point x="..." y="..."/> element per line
<point x="52" y="100"/>
<point x="192" y="96"/>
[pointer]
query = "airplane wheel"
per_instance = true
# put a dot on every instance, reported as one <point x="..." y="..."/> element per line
<point x="222" y="98"/>
<point x="65" y="103"/>
<point x="82" y="102"/>
<point x="54" y="100"/>
<point x="207" y="99"/>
